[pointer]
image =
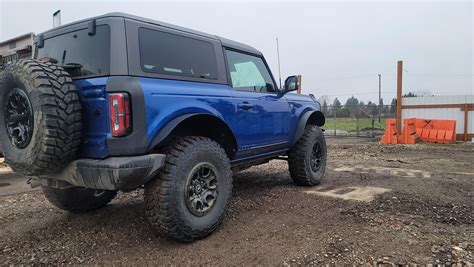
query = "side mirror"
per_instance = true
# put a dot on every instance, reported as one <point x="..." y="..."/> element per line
<point x="291" y="84"/>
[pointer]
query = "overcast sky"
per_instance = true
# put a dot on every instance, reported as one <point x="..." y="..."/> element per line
<point x="338" y="47"/>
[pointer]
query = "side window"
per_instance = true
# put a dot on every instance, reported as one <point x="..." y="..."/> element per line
<point x="248" y="73"/>
<point x="171" y="54"/>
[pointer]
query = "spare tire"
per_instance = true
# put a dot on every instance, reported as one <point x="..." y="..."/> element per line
<point x="40" y="117"/>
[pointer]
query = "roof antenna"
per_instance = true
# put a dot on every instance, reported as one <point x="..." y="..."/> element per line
<point x="278" y="54"/>
<point x="57" y="18"/>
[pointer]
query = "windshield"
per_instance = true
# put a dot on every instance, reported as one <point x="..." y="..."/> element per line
<point x="79" y="53"/>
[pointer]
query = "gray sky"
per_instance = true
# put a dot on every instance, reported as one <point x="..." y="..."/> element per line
<point x="338" y="47"/>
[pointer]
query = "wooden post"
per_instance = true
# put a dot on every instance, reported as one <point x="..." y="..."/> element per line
<point x="466" y="116"/>
<point x="299" y="85"/>
<point x="399" y="96"/>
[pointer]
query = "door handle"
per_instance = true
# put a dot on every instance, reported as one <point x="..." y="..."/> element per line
<point x="245" y="106"/>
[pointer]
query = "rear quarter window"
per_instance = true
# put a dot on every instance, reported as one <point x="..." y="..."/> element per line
<point x="175" y="55"/>
<point x="80" y="53"/>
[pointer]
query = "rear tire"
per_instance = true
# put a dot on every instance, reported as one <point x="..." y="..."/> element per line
<point x="307" y="158"/>
<point x="189" y="197"/>
<point x="78" y="199"/>
<point x="40" y="117"/>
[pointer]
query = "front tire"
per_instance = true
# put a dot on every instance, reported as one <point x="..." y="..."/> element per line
<point x="78" y="199"/>
<point x="307" y="158"/>
<point x="189" y="197"/>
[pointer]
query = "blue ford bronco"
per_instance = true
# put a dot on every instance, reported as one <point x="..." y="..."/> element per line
<point x="119" y="102"/>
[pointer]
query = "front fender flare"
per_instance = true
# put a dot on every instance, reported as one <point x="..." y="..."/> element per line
<point x="315" y="117"/>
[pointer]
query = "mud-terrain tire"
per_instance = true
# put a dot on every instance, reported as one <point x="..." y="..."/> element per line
<point x="307" y="158"/>
<point x="78" y="199"/>
<point x="176" y="207"/>
<point x="40" y="117"/>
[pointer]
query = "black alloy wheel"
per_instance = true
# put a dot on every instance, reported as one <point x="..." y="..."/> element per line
<point x="18" y="118"/>
<point x="201" y="189"/>
<point x="316" y="157"/>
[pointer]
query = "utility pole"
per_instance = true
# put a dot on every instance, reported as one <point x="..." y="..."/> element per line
<point x="380" y="95"/>
<point x="278" y="54"/>
<point x="399" y="96"/>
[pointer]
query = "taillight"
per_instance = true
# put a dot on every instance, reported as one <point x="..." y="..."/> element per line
<point x="120" y="117"/>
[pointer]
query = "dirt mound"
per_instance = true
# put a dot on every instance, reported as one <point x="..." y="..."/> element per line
<point x="397" y="203"/>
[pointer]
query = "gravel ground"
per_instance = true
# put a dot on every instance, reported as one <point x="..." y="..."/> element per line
<point x="427" y="217"/>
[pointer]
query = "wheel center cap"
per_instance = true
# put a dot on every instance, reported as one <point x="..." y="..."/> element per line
<point x="198" y="188"/>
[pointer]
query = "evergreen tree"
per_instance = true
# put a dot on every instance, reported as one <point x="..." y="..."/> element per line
<point x="371" y="108"/>
<point x="336" y="107"/>
<point x="410" y="94"/>
<point x="352" y="105"/>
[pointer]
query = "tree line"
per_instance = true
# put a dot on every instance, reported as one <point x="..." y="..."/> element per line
<point x="355" y="108"/>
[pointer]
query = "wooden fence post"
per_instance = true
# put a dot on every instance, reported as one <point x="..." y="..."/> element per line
<point x="299" y="85"/>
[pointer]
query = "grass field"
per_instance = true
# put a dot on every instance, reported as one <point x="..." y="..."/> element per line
<point x="350" y="124"/>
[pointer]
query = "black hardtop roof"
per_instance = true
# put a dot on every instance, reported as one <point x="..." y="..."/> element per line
<point x="225" y="42"/>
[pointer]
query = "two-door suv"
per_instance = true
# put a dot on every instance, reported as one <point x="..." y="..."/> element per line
<point x="118" y="102"/>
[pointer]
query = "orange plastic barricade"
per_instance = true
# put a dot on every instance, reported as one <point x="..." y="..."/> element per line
<point x="445" y="131"/>
<point x="390" y="136"/>
<point x="451" y="135"/>
<point x="425" y="133"/>
<point x="435" y="131"/>
<point x="409" y="135"/>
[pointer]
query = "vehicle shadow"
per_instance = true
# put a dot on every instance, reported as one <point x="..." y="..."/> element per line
<point x="124" y="217"/>
<point x="263" y="177"/>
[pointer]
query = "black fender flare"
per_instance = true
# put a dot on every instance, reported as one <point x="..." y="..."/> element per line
<point x="315" y="117"/>
<point x="171" y="125"/>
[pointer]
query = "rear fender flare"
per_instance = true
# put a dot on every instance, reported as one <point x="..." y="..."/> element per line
<point x="171" y="125"/>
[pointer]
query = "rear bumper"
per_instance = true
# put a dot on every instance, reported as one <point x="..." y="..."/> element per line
<point x="108" y="174"/>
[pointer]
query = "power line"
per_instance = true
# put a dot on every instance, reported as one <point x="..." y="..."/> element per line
<point x="392" y="75"/>
<point x="345" y="77"/>
<point x="439" y="74"/>
<point x="361" y="93"/>
<point x="390" y="92"/>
